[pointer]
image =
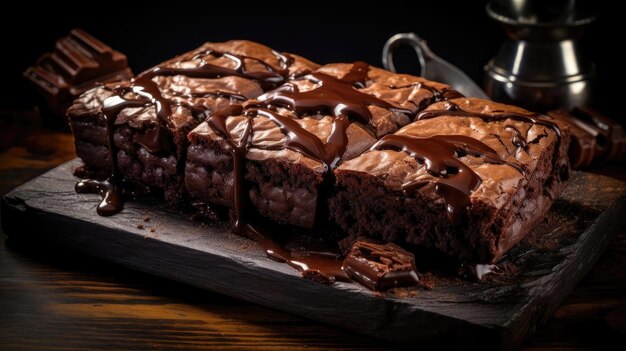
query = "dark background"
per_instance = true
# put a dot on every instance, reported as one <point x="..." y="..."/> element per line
<point x="324" y="32"/>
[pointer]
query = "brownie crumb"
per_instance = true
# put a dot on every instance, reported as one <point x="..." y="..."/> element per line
<point x="427" y="281"/>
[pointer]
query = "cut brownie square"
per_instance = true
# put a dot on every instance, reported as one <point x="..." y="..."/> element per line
<point x="468" y="177"/>
<point x="155" y="112"/>
<point x="286" y="177"/>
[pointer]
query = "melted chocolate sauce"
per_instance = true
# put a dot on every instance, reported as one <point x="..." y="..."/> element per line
<point x="322" y="267"/>
<point x="519" y="141"/>
<point x="455" y="110"/>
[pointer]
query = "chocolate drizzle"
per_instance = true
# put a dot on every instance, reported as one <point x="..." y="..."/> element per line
<point x="439" y="154"/>
<point x="519" y="141"/>
<point x="322" y="267"/>
<point x="335" y="96"/>
<point x="146" y="93"/>
<point x="455" y="110"/>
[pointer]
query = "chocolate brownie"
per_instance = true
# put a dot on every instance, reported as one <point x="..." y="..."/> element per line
<point x="468" y="177"/>
<point x="151" y="116"/>
<point x="300" y="132"/>
<point x="387" y="156"/>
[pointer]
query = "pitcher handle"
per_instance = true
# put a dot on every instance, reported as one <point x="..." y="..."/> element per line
<point x="424" y="54"/>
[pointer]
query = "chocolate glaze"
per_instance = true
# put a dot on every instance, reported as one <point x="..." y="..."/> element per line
<point x="335" y="96"/>
<point x="112" y="188"/>
<point x="518" y="139"/>
<point x="439" y="155"/>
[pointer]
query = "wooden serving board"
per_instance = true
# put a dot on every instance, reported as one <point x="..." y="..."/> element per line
<point x="497" y="313"/>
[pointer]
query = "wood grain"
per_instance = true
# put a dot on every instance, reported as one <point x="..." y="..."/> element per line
<point x="58" y="300"/>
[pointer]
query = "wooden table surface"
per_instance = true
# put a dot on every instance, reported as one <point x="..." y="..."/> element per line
<point x="54" y="300"/>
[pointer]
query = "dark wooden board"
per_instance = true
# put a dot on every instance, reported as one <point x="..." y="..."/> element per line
<point x="536" y="276"/>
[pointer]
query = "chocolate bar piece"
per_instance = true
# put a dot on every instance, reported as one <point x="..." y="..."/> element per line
<point x="594" y="136"/>
<point x="380" y="267"/>
<point x="78" y="62"/>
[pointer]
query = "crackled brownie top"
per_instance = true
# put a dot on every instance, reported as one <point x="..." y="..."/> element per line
<point x="472" y="149"/>
<point x="204" y="80"/>
<point x="328" y="116"/>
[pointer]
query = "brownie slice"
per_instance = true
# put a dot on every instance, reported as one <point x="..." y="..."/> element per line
<point x="285" y="183"/>
<point x="474" y="178"/>
<point x="150" y="148"/>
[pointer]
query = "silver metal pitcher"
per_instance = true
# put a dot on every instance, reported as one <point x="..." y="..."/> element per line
<point x="541" y="66"/>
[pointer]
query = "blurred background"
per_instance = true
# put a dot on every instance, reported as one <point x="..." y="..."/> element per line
<point x="460" y="32"/>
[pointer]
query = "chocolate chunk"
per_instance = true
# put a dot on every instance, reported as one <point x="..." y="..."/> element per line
<point x="583" y="145"/>
<point x="610" y="135"/>
<point x="594" y="136"/>
<point x="380" y="267"/>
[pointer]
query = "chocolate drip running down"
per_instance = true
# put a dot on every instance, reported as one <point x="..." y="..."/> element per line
<point x="148" y="94"/>
<point x="324" y="268"/>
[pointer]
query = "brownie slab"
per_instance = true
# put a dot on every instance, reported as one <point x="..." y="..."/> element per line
<point x="287" y="179"/>
<point x="387" y="156"/>
<point x="154" y="113"/>
<point x="509" y="166"/>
